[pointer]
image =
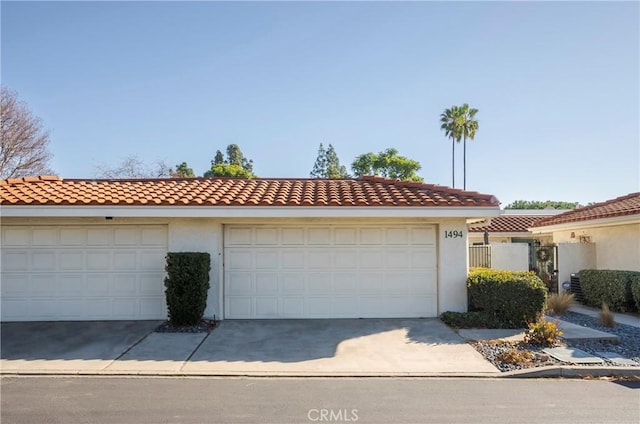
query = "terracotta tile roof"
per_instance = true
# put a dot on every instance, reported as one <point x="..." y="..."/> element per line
<point x="509" y="224"/>
<point x="366" y="191"/>
<point x="621" y="206"/>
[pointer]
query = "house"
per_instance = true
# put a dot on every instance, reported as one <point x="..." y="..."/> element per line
<point x="512" y="226"/>
<point x="280" y="248"/>
<point x="505" y="242"/>
<point x="603" y="235"/>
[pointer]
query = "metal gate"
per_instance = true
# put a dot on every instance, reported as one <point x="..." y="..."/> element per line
<point x="480" y="256"/>
<point x="543" y="260"/>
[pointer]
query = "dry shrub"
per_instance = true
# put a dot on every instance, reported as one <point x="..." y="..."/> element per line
<point x="560" y="303"/>
<point x="606" y="317"/>
<point x="516" y="356"/>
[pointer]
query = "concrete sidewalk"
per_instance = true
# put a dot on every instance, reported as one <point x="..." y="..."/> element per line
<point x="349" y="347"/>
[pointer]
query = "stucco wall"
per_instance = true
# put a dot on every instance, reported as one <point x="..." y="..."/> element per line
<point x="510" y="256"/>
<point x="573" y="257"/>
<point x="201" y="235"/>
<point x="453" y="269"/>
<point x="616" y="247"/>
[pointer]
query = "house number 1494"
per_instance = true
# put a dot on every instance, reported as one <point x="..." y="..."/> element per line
<point x="453" y="234"/>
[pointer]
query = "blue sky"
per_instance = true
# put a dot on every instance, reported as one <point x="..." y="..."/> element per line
<point x="556" y="85"/>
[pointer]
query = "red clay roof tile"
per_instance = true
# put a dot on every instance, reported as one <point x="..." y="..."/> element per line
<point x="509" y="224"/>
<point x="366" y="191"/>
<point x="620" y="206"/>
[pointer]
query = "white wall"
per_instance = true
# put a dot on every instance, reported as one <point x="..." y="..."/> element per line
<point x="452" y="267"/>
<point x="616" y="247"/>
<point x="201" y="235"/>
<point x="573" y="257"/>
<point x="510" y="256"/>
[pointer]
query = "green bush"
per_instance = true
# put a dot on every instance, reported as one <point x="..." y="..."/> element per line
<point x="470" y="320"/>
<point x="608" y="286"/>
<point x="635" y="290"/>
<point x="187" y="283"/>
<point x="512" y="298"/>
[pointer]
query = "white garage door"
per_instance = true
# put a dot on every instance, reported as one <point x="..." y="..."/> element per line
<point x="83" y="272"/>
<point x="330" y="271"/>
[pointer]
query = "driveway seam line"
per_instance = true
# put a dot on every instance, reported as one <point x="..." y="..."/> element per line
<point x="128" y="349"/>
<point x="194" y="351"/>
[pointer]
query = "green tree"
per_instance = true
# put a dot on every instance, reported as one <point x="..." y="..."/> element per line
<point x="387" y="164"/>
<point x="235" y="165"/>
<point x="327" y="164"/>
<point x="539" y="204"/>
<point x="226" y="170"/>
<point x="451" y="124"/>
<point x="183" y="171"/>
<point x="469" y="126"/>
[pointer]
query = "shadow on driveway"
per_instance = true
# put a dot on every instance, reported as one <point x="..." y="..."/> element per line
<point x="303" y="340"/>
<point x="69" y="340"/>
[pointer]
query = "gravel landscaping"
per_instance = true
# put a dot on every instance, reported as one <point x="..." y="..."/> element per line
<point x="205" y="326"/>
<point x="628" y="347"/>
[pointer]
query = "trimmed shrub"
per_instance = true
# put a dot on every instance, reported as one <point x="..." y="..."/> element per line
<point x="608" y="286"/>
<point x="470" y="320"/>
<point x="187" y="283"/>
<point x="512" y="298"/>
<point x="635" y="291"/>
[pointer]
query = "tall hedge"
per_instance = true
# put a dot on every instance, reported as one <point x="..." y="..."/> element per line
<point x="608" y="286"/>
<point x="187" y="284"/>
<point x="635" y="290"/>
<point x="513" y="298"/>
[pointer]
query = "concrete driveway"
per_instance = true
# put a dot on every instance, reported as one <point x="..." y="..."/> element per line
<point x="257" y="347"/>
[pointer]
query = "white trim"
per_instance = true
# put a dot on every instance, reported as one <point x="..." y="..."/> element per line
<point x="603" y="222"/>
<point x="250" y="211"/>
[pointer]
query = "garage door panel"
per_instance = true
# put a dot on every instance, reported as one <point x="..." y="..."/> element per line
<point x="79" y="272"/>
<point x="71" y="260"/>
<point x="292" y="259"/>
<point x="15" y="261"/>
<point x="41" y="285"/>
<point x="267" y="306"/>
<point x="267" y="283"/>
<point x="15" y="237"/>
<point x="70" y="284"/>
<point x="73" y="237"/>
<point x="43" y="260"/>
<point x="239" y="306"/>
<point x="266" y="259"/>
<point x="44" y="237"/>
<point x="125" y="260"/>
<point x="338" y="271"/>
<point x="293" y="283"/>
<point x="292" y="307"/>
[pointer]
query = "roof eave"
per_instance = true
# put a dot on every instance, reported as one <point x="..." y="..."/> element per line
<point x="601" y="222"/>
<point x="75" y="211"/>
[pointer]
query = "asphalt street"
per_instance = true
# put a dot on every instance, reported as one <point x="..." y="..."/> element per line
<point x="309" y="400"/>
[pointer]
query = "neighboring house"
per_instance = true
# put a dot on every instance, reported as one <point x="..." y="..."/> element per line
<point x="280" y="248"/>
<point x="609" y="233"/>
<point x="512" y="226"/>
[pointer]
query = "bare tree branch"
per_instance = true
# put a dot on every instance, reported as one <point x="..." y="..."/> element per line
<point x="24" y="148"/>
<point x="133" y="167"/>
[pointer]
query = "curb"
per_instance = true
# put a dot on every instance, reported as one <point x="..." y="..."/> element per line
<point x="540" y="372"/>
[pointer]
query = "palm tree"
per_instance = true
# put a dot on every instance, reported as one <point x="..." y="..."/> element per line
<point x="468" y="127"/>
<point x="451" y="124"/>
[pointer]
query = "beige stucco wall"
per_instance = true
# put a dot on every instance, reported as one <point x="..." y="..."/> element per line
<point x="616" y="247"/>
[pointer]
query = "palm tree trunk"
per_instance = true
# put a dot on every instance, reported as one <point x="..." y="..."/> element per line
<point x="464" y="163"/>
<point x="453" y="163"/>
